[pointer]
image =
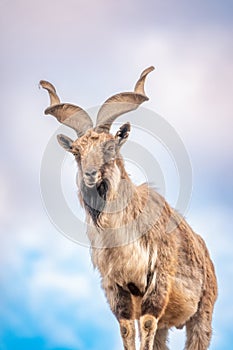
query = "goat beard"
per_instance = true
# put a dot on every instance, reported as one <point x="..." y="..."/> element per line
<point x="94" y="198"/>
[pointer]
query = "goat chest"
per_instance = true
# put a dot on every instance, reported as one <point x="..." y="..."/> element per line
<point x="125" y="265"/>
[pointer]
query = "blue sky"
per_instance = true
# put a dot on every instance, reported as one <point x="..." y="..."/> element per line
<point x="50" y="296"/>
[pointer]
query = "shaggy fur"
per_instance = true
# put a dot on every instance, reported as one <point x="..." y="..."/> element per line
<point x="162" y="279"/>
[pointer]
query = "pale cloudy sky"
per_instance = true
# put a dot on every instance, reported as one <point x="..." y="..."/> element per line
<point x="50" y="296"/>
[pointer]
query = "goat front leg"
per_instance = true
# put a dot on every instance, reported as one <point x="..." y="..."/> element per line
<point x="124" y="313"/>
<point x="120" y="302"/>
<point x="153" y="305"/>
<point x="148" y="327"/>
<point x="127" y="328"/>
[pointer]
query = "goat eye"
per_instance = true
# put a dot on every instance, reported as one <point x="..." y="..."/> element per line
<point x="111" y="148"/>
<point x="76" y="153"/>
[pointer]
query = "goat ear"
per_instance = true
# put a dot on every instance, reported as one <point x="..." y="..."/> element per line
<point x="122" y="134"/>
<point x="65" y="142"/>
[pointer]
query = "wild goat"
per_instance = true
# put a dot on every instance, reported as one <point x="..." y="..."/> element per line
<point x="162" y="279"/>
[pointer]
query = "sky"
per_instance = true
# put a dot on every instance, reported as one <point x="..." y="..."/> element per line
<point x="50" y="296"/>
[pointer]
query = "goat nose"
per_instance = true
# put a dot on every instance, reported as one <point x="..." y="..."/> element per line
<point x="91" y="173"/>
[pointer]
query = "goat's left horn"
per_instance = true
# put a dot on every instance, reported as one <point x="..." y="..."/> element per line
<point x="122" y="103"/>
<point x="71" y="115"/>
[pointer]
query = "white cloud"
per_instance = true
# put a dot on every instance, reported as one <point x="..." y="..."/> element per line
<point x="214" y="223"/>
<point x="68" y="286"/>
<point x="191" y="86"/>
<point x="176" y="339"/>
<point x="4" y="198"/>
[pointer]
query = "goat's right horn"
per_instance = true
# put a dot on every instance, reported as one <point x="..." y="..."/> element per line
<point x="122" y="103"/>
<point x="71" y="115"/>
